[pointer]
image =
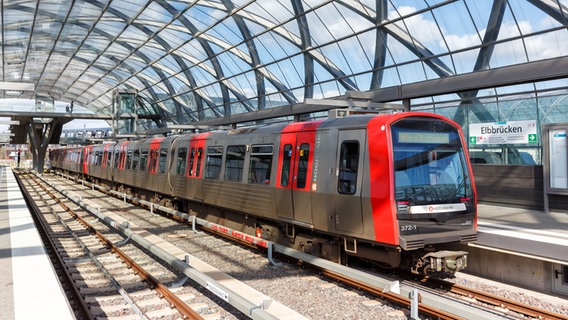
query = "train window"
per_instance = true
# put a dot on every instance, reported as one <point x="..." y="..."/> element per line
<point x="143" y="160"/>
<point x="348" y="166"/>
<point x="162" y="162"/>
<point x="109" y="159"/>
<point x="116" y="159"/>
<point x="286" y="161"/>
<point x="128" y="159"/>
<point x="303" y="166"/>
<point x="213" y="162"/>
<point x="135" y="159"/>
<point x="234" y="163"/>
<point x="181" y="161"/>
<point x="198" y="165"/>
<point x="260" y="164"/>
<point x="99" y="158"/>
<point x="191" y="155"/>
<point x="94" y="157"/>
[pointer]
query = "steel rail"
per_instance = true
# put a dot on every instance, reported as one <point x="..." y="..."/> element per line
<point x="495" y="300"/>
<point x="396" y="298"/>
<point x="174" y="300"/>
<point x="83" y="308"/>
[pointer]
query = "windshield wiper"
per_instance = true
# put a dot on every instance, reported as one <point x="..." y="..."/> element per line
<point x="460" y="183"/>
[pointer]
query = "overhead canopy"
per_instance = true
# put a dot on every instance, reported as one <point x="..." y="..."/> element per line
<point x="192" y="61"/>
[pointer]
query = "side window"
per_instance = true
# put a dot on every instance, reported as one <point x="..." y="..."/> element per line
<point x="93" y="159"/>
<point x="143" y="160"/>
<point x="128" y="159"/>
<point x="116" y="158"/>
<point x="109" y="159"/>
<point x="213" y="162"/>
<point x="135" y="159"/>
<point x="303" y="165"/>
<point x="348" y="166"/>
<point x="286" y="161"/>
<point x="191" y="155"/>
<point x="234" y="163"/>
<point x="260" y="164"/>
<point x="162" y="161"/>
<point x="99" y="158"/>
<point x="181" y="161"/>
<point x="198" y="165"/>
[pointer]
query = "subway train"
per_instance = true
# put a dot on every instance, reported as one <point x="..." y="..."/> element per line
<point x="392" y="189"/>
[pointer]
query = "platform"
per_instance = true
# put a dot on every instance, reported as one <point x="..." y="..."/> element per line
<point x="29" y="288"/>
<point x="525" y="232"/>
<point x="522" y="247"/>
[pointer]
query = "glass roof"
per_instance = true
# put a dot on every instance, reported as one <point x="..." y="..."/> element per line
<point x="197" y="60"/>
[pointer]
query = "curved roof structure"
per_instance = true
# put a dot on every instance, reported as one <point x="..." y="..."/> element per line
<point x="191" y="61"/>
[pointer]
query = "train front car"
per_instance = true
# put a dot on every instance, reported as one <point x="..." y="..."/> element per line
<point x="432" y="200"/>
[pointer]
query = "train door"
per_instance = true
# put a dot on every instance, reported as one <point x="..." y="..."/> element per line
<point x="153" y="163"/>
<point x="348" y="176"/>
<point x="302" y="171"/>
<point x="284" y="181"/>
<point x="178" y="171"/>
<point x="86" y="160"/>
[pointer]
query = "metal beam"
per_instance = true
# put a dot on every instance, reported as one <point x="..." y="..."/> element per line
<point x="310" y="106"/>
<point x="512" y="75"/>
<point x="12" y="123"/>
<point x="17" y="86"/>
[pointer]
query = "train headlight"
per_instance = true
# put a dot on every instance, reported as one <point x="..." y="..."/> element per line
<point x="403" y="206"/>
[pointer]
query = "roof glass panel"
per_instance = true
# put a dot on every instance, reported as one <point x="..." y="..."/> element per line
<point x="226" y="30"/>
<point x="110" y="24"/>
<point x="290" y="72"/>
<point x="203" y="76"/>
<point x="157" y="13"/>
<point x="273" y="47"/>
<point x="231" y="64"/>
<point x="547" y="45"/>
<point x="534" y="18"/>
<point x="175" y="37"/>
<point x="202" y="17"/>
<point x="152" y="51"/>
<point x="193" y="49"/>
<point x="127" y="9"/>
<point x="508" y="53"/>
<point x="278" y="11"/>
<point x="170" y="63"/>
<point x="134" y="33"/>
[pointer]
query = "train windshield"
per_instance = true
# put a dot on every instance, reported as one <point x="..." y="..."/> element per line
<point x="430" y="163"/>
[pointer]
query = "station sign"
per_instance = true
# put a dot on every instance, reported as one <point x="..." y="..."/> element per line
<point x="507" y="132"/>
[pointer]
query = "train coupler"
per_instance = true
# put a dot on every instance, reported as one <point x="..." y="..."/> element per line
<point x="441" y="261"/>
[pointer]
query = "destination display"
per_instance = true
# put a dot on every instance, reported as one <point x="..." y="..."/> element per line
<point x="423" y="137"/>
<point x="507" y="132"/>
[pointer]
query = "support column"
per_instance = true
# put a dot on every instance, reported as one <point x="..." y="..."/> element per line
<point x="39" y="135"/>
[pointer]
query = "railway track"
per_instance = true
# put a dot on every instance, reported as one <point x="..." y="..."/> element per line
<point x="502" y="311"/>
<point x="495" y="301"/>
<point x="218" y="295"/>
<point x="107" y="280"/>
